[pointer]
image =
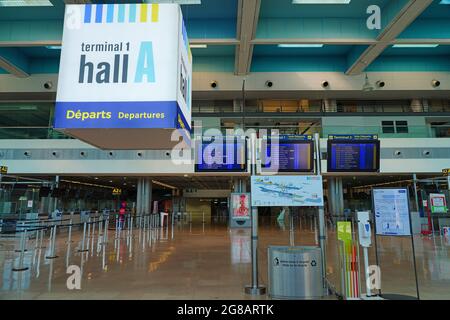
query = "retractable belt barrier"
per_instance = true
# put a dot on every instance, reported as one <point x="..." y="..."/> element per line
<point x="37" y="228"/>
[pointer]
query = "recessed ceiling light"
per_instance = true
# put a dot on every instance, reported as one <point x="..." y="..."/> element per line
<point x="53" y="47"/>
<point x="184" y="2"/>
<point x="25" y="3"/>
<point x="304" y="45"/>
<point x="415" y="46"/>
<point x="198" y="46"/>
<point x="321" y="1"/>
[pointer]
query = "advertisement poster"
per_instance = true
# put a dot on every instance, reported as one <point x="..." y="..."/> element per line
<point x="391" y="207"/>
<point x="240" y="205"/>
<point x="438" y="203"/>
<point x="289" y="191"/>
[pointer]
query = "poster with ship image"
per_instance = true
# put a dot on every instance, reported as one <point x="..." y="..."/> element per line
<point x="290" y="191"/>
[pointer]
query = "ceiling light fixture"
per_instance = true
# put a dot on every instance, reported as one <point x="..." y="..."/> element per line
<point x="321" y="1"/>
<point x="415" y="45"/>
<point x="300" y="45"/>
<point x="25" y="3"/>
<point x="198" y="46"/>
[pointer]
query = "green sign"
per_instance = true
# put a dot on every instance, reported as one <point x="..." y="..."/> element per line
<point x="344" y="231"/>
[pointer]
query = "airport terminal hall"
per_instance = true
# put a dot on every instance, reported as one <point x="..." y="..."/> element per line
<point x="242" y="152"/>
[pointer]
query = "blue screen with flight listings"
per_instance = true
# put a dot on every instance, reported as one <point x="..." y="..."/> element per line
<point x="353" y="156"/>
<point x="291" y="156"/>
<point x="221" y="155"/>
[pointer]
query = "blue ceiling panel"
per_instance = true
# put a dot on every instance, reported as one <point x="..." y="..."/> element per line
<point x="213" y="51"/>
<point x="326" y="50"/>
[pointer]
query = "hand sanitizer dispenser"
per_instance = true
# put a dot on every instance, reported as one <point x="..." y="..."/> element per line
<point x="364" y="228"/>
<point x="365" y="240"/>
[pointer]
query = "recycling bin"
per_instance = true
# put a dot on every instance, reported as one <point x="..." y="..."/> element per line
<point x="295" y="272"/>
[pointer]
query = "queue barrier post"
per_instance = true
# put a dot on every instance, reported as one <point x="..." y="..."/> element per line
<point x="21" y="267"/>
<point x="83" y="249"/>
<point x="52" y="243"/>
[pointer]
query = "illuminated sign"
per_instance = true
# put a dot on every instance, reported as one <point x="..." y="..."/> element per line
<point x="3" y="169"/>
<point x="123" y="66"/>
<point x="117" y="192"/>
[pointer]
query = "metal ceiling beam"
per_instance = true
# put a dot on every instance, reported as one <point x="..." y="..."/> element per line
<point x="14" y="62"/>
<point x="247" y="22"/>
<point x="404" y="17"/>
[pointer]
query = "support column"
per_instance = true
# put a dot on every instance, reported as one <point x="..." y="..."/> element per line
<point x="144" y="196"/>
<point x="335" y="196"/>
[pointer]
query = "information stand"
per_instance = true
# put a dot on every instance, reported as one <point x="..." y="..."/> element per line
<point x="393" y="218"/>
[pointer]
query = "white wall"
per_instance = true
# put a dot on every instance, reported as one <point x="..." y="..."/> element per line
<point x="160" y="166"/>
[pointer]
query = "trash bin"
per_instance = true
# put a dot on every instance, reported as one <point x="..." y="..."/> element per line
<point x="295" y="272"/>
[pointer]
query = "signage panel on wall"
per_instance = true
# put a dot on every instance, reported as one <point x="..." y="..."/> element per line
<point x="391" y="207"/>
<point x="125" y="70"/>
<point x="293" y="191"/>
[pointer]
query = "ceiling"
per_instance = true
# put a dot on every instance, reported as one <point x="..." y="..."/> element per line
<point x="243" y="37"/>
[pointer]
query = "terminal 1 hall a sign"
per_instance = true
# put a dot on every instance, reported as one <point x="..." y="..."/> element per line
<point x="125" y="75"/>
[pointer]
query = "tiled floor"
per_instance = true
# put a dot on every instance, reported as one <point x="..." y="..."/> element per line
<point x="196" y="262"/>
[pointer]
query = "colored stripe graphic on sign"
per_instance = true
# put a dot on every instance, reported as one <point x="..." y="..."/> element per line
<point x="99" y="13"/>
<point x="121" y="13"/>
<point x="110" y="13"/>
<point x="144" y="12"/>
<point x="124" y="11"/>
<point x="87" y="13"/>
<point x="132" y="13"/>
<point x="155" y="12"/>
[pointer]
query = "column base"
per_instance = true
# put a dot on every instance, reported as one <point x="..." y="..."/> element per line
<point x="255" y="291"/>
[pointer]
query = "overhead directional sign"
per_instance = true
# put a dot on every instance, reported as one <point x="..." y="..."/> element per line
<point x="117" y="192"/>
<point x="125" y="71"/>
<point x="446" y="172"/>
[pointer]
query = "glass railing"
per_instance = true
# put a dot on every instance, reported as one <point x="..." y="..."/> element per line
<point x="323" y="109"/>
<point x="31" y="133"/>
<point x="424" y="131"/>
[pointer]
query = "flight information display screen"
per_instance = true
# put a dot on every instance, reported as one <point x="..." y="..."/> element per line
<point x="353" y="156"/>
<point x="292" y="156"/>
<point x="227" y="155"/>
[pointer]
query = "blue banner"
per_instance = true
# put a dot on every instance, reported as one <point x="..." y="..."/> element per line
<point x="353" y="137"/>
<point x="125" y="115"/>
